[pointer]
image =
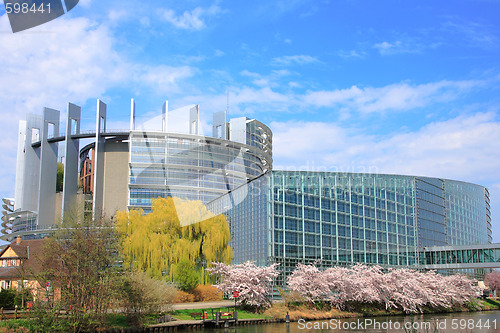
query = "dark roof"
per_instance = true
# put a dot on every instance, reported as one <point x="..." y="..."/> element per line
<point x="27" y="250"/>
<point x="9" y="272"/>
<point x="25" y="247"/>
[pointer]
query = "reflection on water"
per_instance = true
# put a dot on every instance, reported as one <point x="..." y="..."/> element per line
<point x="467" y="322"/>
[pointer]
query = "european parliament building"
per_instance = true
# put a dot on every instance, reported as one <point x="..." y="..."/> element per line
<point x="285" y="217"/>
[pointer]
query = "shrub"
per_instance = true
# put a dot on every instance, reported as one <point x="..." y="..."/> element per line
<point x="292" y="298"/>
<point x="183" y="297"/>
<point x="7" y="297"/>
<point x="206" y="293"/>
<point x="141" y="294"/>
<point x="187" y="278"/>
<point x="22" y="297"/>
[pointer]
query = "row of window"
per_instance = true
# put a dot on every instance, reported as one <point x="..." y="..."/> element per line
<point x="333" y="193"/>
<point x="10" y="262"/>
<point x="370" y="237"/>
<point x="291" y="251"/>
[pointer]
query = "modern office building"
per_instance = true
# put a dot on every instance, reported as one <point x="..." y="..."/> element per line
<point x="286" y="217"/>
<point x="125" y="169"/>
<point x="335" y="218"/>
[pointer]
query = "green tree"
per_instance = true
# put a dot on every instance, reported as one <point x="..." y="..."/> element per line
<point x="186" y="276"/>
<point x="155" y="243"/>
<point x="78" y="275"/>
<point x="60" y="177"/>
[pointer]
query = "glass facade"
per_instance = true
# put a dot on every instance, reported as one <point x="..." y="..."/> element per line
<point x="431" y="212"/>
<point x="247" y="209"/>
<point x="340" y="219"/>
<point x="462" y="256"/>
<point x="465" y="205"/>
<point x="188" y="166"/>
<point x="343" y="218"/>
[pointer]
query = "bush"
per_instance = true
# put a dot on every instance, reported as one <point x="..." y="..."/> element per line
<point x="141" y="295"/>
<point x="47" y="318"/>
<point x="183" y="297"/>
<point x="23" y="297"/>
<point x="186" y="276"/>
<point x="292" y="298"/>
<point x="7" y="297"/>
<point x="206" y="293"/>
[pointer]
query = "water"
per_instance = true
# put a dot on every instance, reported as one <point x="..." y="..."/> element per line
<point x="467" y="322"/>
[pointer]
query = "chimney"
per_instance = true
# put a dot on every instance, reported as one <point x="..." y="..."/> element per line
<point x="18" y="240"/>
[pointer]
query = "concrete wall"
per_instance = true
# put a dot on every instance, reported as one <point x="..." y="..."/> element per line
<point x="116" y="172"/>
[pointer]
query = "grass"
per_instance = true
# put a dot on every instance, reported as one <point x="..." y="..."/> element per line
<point x="305" y="311"/>
<point x="313" y="312"/>
<point x="116" y="321"/>
<point x="242" y="314"/>
<point x="489" y="304"/>
<point x="13" y="325"/>
<point x="113" y="321"/>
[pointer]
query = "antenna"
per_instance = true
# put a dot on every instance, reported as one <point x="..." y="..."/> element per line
<point x="227" y="101"/>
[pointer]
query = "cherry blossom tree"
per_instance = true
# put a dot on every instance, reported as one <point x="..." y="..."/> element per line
<point x="492" y="281"/>
<point x="405" y="289"/>
<point x="307" y="281"/>
<point x="252" y="282"/>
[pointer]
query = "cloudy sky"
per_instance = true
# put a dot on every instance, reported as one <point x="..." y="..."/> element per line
<point x="407" y="87"/>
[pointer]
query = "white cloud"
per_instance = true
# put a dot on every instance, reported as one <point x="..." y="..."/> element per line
<point x="351" y="54"/>
<point x="163" y="79"/>
<point x="118" y="14"/>
<point x="271" y="80"/>
<point x="65" y="60"/>
<point x="85" y="3"/>
<point x="281" y="39"/>
<point x="395" y="97"/>
<point x="295" y="59"/>
<point x="145" y="21"/>
<point x="464" y="148"/>
<point x="267" y="94"/>
<point x="474" y="34"/>
<point x="386" y="47"/>
<point x="191" y="20"/>
<point x="405" y="46"/>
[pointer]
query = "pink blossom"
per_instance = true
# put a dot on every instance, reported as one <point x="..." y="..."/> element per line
<point x="252" y="282"/>
<point x="406" y="289"/>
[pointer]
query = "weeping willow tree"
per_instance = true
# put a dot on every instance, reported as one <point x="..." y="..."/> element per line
<point x="155" y="243"/>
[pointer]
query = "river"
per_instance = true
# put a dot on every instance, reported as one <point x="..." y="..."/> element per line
<point x="467" y="322"/>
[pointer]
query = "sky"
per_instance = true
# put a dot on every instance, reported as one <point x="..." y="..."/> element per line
<point x="398" y="87"/>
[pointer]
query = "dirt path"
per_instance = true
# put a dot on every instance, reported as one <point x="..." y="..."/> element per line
<point x="202" y="305"/>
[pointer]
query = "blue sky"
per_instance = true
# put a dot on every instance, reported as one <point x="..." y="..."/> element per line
<point x="407" y="87"/>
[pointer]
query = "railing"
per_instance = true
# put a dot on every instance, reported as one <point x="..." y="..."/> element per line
<point x="87" y="132"/>
<point x="472" y="256"/>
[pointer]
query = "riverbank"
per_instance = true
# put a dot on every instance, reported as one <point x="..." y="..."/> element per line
<point x="276" y="314"/>
<point x="310" y="312"/>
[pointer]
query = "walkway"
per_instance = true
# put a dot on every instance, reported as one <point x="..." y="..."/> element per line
<point x="203" y="305"/>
